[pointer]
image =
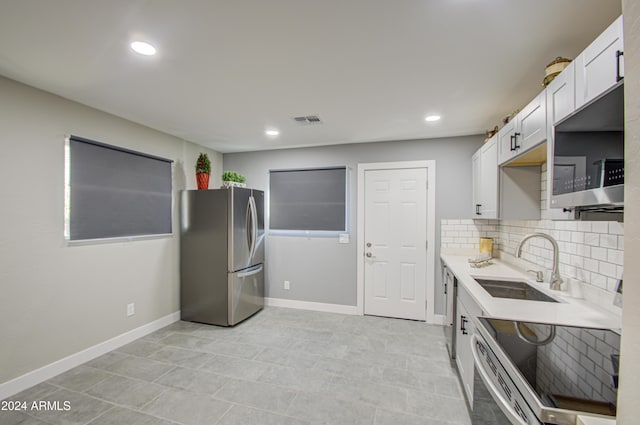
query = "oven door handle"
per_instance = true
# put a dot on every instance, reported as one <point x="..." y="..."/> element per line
<point x="503" y="404"/>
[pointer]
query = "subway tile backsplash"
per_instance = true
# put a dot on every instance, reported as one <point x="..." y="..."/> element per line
<point x="591" y="252"/>
<point x="571" y="365"/>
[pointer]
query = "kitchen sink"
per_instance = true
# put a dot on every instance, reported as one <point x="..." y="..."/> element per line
<point x="517" y="290"/>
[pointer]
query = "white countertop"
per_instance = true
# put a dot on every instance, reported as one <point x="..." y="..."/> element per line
<point x="589" y="420"/>
<point x="570" y="311"/>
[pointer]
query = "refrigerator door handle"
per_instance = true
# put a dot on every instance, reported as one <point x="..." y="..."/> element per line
<point x="254" y="226"/>
<point x="251" y="271"/>
<point x="248" y="227"/>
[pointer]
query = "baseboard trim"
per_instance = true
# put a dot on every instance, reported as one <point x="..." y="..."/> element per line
<point x="308" y="305"/>
<point x="29" y="379"/>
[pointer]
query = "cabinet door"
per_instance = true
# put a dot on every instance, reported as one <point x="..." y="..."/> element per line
<point x="531" y="124"/>
<point x="506" y="149"/>
<point x="476" y="183"/>
<point x="561" y="100"/>
<point x="560" y="103"/>
<point x="489" y="179"/>
<point x="484" y="169"/>
<point x="600" y="66"/>
<point x="464" y="358"/>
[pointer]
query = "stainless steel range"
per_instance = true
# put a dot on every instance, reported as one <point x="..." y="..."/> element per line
<point x="538" y="373"/>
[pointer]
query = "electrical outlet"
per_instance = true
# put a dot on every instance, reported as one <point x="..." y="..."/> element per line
<point x="131" y="309"/>
<point x="287" y="285"/>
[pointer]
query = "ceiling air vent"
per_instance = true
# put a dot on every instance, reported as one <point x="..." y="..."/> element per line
<point x="308" y="120"/>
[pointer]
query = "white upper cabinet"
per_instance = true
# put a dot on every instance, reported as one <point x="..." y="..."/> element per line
<point x="601" y="65"/>
<point x="561" y="102"/>
<point x="506" y="147"/>
<point x="484" y="164"/>
<point x="476" y="182"/>
<point x="532" y="121"/>
<point x="561" y="99"/>
<point x="525" y="131"/>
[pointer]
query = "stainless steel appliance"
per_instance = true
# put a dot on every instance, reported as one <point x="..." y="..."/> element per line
<point x="543" y="374"/>
<point x="588" y="155"/>
<point x="450" y="284"/>
<point x="221" y="255"/>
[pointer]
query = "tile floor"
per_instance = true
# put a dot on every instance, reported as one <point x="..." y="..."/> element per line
<point x="280" y="367"/>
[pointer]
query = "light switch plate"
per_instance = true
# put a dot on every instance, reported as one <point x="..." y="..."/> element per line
<point x="344" y="238"/>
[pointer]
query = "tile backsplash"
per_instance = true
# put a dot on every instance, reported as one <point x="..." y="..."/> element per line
<point x="590" y="251"/>
<point x="577" y="362"/>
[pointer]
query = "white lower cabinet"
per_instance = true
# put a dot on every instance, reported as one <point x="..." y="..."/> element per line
<point x="464" y="358"/>
<point x="466" y="309"/>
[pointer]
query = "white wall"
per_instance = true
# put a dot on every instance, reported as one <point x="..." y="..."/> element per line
<point x="57" y="299"/>
<point x="322" y="270"/>
<point x="629" y="393"/>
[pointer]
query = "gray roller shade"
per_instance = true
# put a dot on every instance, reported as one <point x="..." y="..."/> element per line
<point x="115" y="192"/>
<point x="308" y="200"/>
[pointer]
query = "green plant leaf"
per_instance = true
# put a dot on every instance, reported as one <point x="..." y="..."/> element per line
<point x="232" y="176"/>
<point x="203" y="164"/>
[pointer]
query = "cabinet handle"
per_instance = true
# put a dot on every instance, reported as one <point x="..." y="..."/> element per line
<point x="478" y="209"/>
<point x="515" y="141"/>
<point x="463" y="322"/>
<point x="512" y="148"/>
<point x="618" y="76"/>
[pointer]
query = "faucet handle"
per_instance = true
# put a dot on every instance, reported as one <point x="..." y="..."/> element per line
<point x="539" y="276"/>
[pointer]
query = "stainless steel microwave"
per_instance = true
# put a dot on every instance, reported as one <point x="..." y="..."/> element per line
<point x="588" y="155"/>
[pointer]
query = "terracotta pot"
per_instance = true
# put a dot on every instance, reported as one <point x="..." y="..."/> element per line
<point x="203" y="181"/>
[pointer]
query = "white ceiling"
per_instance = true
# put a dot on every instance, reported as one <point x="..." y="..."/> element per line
<point x="228" y="69"/>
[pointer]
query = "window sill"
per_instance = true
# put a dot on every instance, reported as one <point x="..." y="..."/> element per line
<point x="119" y="239"/>
<point x="308" y="233"/>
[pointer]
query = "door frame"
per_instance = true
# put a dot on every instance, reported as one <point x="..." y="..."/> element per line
<point x="430" y="166"/>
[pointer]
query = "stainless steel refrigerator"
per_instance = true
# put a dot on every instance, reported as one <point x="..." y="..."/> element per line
<point x="221" y="255"/>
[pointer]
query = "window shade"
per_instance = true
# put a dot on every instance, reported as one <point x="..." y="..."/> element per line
<point x="308" y="200"/>
<point x="115" y="192"/>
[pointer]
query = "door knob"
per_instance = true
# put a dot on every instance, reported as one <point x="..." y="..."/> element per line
<point x="368" y="244"/>
<point x="368" y="254"/>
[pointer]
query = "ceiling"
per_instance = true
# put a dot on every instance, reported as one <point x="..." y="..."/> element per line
<point x="226" y="70"/>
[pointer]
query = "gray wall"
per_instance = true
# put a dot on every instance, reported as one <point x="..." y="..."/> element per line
<point x="321" y="269"/>
<point x="57" y="299"/>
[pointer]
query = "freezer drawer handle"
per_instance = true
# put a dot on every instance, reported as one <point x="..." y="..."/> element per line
<point x="251" y="272"/>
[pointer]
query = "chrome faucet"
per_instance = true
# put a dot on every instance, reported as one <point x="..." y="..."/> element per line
<point x="555" y="278"/>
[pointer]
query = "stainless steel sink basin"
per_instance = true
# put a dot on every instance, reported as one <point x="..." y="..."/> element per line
<point x="513" y="289"/>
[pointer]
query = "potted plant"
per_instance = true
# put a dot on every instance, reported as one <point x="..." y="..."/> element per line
<point x="203" y="170"/>
<point x="231" y="178"/>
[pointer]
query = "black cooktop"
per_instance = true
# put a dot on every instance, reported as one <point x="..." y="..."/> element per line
<point x="568" y="367"/>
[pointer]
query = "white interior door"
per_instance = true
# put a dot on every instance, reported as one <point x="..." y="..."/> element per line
<point x="395" y="240"/>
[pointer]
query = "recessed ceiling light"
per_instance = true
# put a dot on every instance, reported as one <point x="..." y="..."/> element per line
<point x="143" y="48"/>
<point x="432" y="118"/>
<point x="272" y="132"/>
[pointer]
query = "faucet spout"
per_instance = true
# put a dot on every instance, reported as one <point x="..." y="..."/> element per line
<point x="555" y="279"/>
